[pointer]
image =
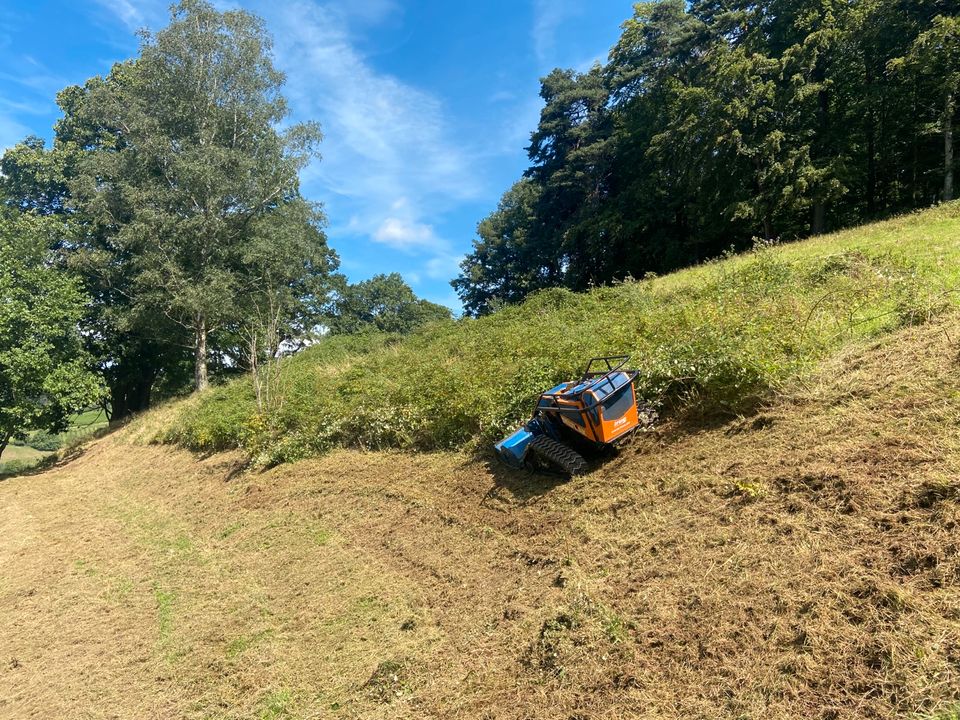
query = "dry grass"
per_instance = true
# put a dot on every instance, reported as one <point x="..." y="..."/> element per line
<point x="803" y="562"/>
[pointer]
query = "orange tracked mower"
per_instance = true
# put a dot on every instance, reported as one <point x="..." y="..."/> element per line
<point x="599" y="410"/>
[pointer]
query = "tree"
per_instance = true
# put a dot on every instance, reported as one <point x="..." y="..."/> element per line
<point x="384" y="303"/>
<point x="934" y="58"/>
<point x="505" y="264"/>
<point x="133" y="346"/>
<point x="716" y="121"/>
<point x="45" y="375"/>
<point x="187" y="161"/>
<point x="289" y="275"/>
<point x="34" y="179"/>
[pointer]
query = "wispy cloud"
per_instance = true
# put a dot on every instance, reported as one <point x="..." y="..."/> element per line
<point x="391" y="165"/>
<point x="444" y="266"/>
<point x="548" y="16"/>
<point x="11" y="132"/>
<point x="405" y="234"/>
<point x="130" y="12"/>
<point x="390" y="159"/>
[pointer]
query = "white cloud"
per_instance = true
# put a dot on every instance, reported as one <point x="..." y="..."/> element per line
<point x="384" y="139"/>
<point x="389" y="157"/>
<point x="405" y="234"/>
<point x="548" y="16"/>
<point x="392" y="165"/>
<point x="129" y="12"/>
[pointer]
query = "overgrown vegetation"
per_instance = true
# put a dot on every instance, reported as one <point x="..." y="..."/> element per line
<point x="715" y="339"/>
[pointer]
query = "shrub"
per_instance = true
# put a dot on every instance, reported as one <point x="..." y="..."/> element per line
<point x="44" y="441"/>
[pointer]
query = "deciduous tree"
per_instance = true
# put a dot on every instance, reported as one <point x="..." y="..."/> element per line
<point x="45" y="375"/>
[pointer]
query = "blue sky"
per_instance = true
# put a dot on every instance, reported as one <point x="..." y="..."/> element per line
<point x="426" y="106"/>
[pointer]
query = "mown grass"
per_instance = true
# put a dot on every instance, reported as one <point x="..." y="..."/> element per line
<point x="715" y="339"/>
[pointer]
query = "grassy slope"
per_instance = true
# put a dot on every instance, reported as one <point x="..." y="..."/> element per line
<point x="803" y="562"/>
<point x="714" y="338"/>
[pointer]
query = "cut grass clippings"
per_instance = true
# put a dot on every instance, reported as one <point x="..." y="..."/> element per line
<point x="800" y="563"/>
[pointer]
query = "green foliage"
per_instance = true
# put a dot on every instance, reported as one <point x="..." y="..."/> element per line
<point x="384" y="303"/>
<point x="715" y="340"/>
<point x="714" y="123"/>
<point x="45" y="376"/>
<point x="44" y="441"/>
<point x="181" y="197"/>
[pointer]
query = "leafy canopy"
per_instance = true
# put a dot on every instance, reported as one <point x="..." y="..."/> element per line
<point x="384" y="303"/>
<point x="45" y="376"/>
<point x="187" y="172"/>
<point x="715" y="122"/>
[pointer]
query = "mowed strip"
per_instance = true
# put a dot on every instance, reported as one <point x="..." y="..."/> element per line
<point x="804" y="562"/>
<point x="139" y="582"/>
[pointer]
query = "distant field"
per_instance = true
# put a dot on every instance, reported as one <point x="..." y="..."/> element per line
<point x="21" y="454"/>
<point x="89" y="418"/>
<point x="21" y="457"/>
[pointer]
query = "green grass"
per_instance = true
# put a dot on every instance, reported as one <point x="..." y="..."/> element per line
<point x="22" y="454"/>
<point x="165" y="600"/>
<point x="276" y="705"/>
<point x="26" y="453"/>
<point x="715" y="339"/>
<point x="952" y="714"/>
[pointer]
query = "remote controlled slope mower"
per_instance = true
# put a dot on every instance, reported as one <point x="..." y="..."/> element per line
<point x="599" y="410"/>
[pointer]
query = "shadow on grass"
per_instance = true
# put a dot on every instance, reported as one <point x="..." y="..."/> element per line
<point x="523" y="485"/>
<point x="526" y="486"/>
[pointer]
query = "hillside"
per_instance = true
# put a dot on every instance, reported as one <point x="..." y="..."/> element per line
<point x="801" y="559"/>
<point x="710" y="341"/>
<point x="804" y="562"/>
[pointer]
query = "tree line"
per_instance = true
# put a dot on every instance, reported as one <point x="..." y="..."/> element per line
<point x="163" y="237"/>
<point x="717" y="122"/>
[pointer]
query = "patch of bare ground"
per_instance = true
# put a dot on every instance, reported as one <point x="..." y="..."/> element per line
<point x="804" y="562"/>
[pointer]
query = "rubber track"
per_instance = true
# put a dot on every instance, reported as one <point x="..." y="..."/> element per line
<point x="556" y="453"/>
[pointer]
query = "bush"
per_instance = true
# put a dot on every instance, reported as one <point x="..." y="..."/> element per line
<point x="44" y="441"/>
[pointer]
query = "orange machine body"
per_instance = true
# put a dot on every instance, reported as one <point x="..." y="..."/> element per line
<point x="602" y="409"/>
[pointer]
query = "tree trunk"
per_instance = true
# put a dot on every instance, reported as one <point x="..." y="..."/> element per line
<point x="767" y="227"/>
<point x="131" y="394"/>
<point x="948" y="111"/>
<point x="871" y="170"/>
<point x="821" y="145"/>
<point x="819" y="217"/>
<point x="200" y="354"/>
<point x="870" y="129"/>
<point x="119" y="408"/>
<point x="4" y="441"/>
